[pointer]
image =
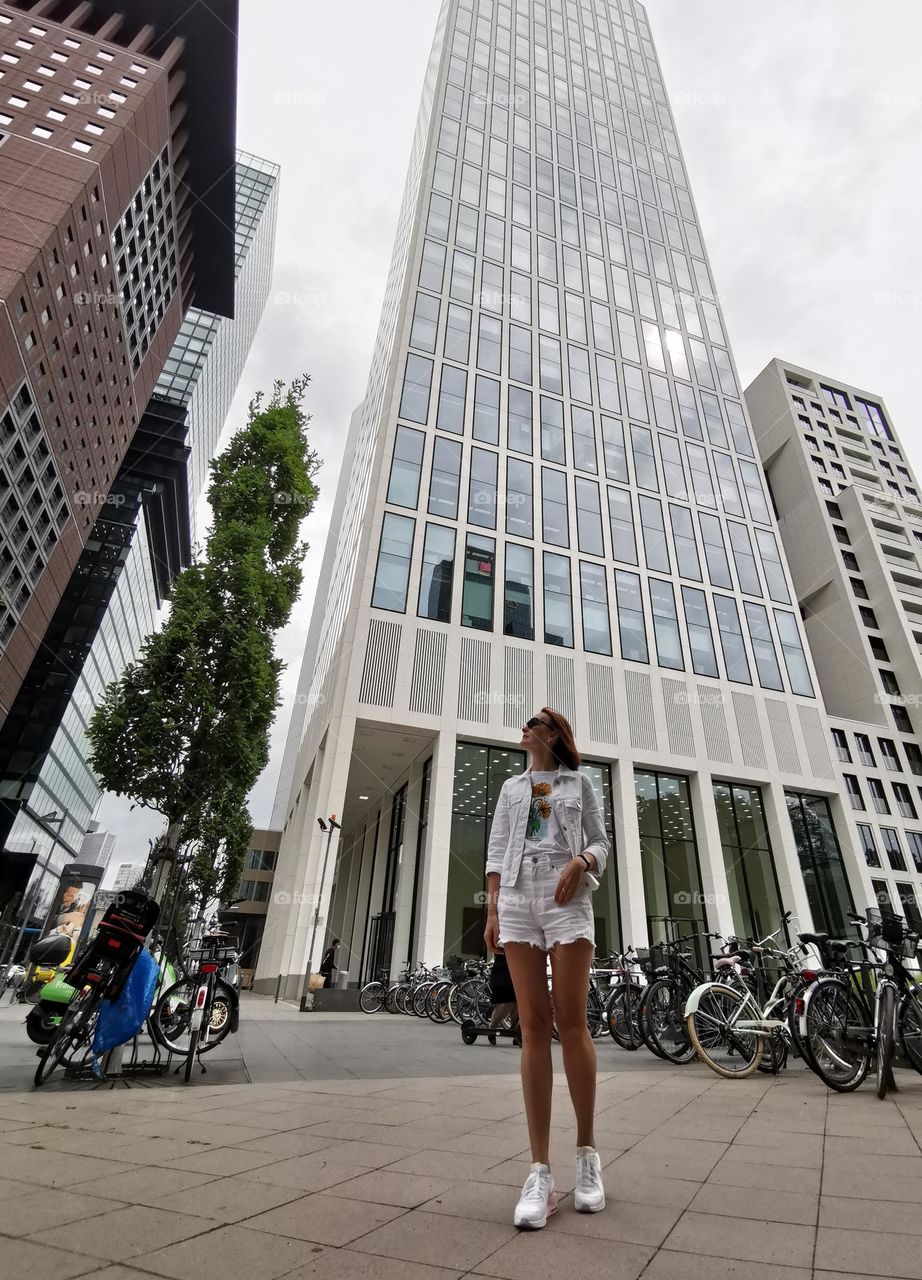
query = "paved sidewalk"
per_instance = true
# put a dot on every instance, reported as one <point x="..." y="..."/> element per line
<point x="415" y="1179"/>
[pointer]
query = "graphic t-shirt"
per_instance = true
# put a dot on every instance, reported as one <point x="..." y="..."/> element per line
<point x="542" y="831"/>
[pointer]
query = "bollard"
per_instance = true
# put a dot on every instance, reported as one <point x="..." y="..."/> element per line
<point x="278" y="987"/>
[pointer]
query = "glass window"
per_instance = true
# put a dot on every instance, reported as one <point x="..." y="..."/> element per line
<point x="437" y="573"/>
<point x="558" y="603"/>
<point x="888" y="753"/>
<point x="519" y="425"/>
<point x="821" y="864"/>
<point x="406" y="467"/>
<point x="763" y="646"/>
<point x="772" y="566"/>
<point x="663" y="413"/>
<point x="686" y="548"/>
<point x="425" y="323"/>
<point x="467" y="227"/>
<point x="904" y="801"/>
<point x="477" y="597"/>
<point x="840" y="740"/>
<point x="393" y="570"/>
<point x="688" y="405"/>
<point x="490" y="345"/>
<point x="702" y="488"/>
<point x="914" y="840"/>
<point x="621" y="522"/>
<point x="866" y="836"/>
<point x="669" y="858"/>
<point x="549" y="366"/>
<point x="630" y="616"/>
<point x="481" y="505"/>
<point x="583" y="436"/>
<point x="553" y="448"/>
<point x="636" y="393"/>
<point x="520" y="355"/>
<point x="452" y="396"/>
<point x="555" y="523"/>
<point x="665" y="625"/>
<point x="486" y="410"/>
<point x="673" y="472"/>
<point x="878" y="795"/>
<point x="519" y="498"/>
<point x="853" y="787"/>
<point x="589" y="517"/>
<point x="594" y="596"/>
<point x="794" y="657"/>
<point x="726" y="479"/>
<point x="432" y="266"/>
<point x="656" y="551"/>
<point x="462" y="277"/>
<point x="713" y="421"/>
<point x="731" y="639"/>
<point x="700" y="640"/>
<point x="715" y="553"/>
<point x="439" y="214"/>
<point x="414" y="403"/>
<point x="580" y="380"/>
<point x="519" y="593"/>
<point x="755" y="496"/>
<point x="892" y="849"/>
<point x="644" y="458"/>
<point x="754" y="895"/>
<point x="738" y="428"/>
<point x="744" y="560"/>
<point x="445" y="479"/>
<point x="614" y="450"/>
<point x="458" y="334"/>
<point x="607" y="375"/>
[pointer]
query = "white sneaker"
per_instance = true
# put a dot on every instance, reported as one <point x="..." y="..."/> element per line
<point x="588" y="1194"/>
<point x="537" y="1201"/>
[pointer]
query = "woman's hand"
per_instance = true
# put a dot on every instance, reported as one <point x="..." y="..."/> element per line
<point x="491" y="934"/>
<point x="570" y="880"/>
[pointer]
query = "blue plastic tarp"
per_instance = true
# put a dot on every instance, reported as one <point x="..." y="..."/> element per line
<point x="120" y="1020"/>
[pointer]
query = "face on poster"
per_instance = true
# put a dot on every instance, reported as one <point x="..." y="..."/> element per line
<point x="71" y="906"/>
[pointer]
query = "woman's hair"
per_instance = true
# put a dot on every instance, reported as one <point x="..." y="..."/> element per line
<point x="564" y="748"/>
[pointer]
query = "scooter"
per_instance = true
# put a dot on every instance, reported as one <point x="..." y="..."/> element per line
<point x="44" y="1018"/>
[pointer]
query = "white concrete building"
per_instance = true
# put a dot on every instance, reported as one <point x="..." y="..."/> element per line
<point x="550" y="496"/>
<point x="850" y="518"/>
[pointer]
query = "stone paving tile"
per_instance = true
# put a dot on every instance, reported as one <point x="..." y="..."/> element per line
<point x="308" y="1173"/>
<point x="36" y="1212"/>
<point x="436" y="1239"/>
<point x="552" y="1254"/>
<point x="145" y="1186"/>
<point x="39" y="1262"/>
<point x="10" y="1189"/>
<point x="382" y="1186"/>
<point x="803" y="1150"/>
<point x="485" y="1142"/>
<point x="123" y="1233"/>
<point x="743" y="1238"/>
<point x="348" y="1264"/>
<point x="643" y="1224"/>
<point x="157" y="1151"/>
<point x="223" y="1161"/>
<point x="873" y="1177"/>
<point x="880" y="1253"/>
<point x="46" y="1168"/>
<point x="886" y="1142"/>
<point x="671" y="1157"/>
<point x="228" y="1200"/>
<point x="870" y="1215"/>
<point x="475" y="1202"/>
<point x="649" y="1189"/>
<point x="709" y="1128"/>
<point x="230" y="1253"/>
<point x="751" y="1202"/>
<point x="296" y="1142"/>
<point x="447" y="1164"/>
<point x="324" y="1219"/>
<point x="770" y="1177"/>
<point x="668" y="1265"/>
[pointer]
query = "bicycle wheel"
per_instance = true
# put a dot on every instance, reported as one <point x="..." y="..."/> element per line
<point x="886" y="1026"/>
<point x="464" y="1001"/>
<point x="416" y="1004"/>
<point x="403" y="998"/>
<point x="665" y="1010"/>
<point x="442" y="1011"/>
<point x="595" y="1013"/>
<point x="643" y="1024"/>
<point x="372" y="997"/>
<point x="910" y="1029"/>
<point x="172" y="1016"/>
<point x="75" y="1027"/>
<point x="390" y="998"/>
<point x="729" y="1051"/>
<point x="621" y="1015"/>
<point x="836" y="1035"/>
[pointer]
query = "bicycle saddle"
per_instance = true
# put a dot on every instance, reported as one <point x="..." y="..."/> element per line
<point x="818" y="938"/>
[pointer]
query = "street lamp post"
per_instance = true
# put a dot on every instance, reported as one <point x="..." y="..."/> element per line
<point x="329" y="829"/>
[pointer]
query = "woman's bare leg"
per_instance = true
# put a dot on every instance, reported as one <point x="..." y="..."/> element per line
<point x="528" y="970"/>
<point x="570" y="975"/>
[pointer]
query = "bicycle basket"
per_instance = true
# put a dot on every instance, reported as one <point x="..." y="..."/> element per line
<point x="885" y="926"/>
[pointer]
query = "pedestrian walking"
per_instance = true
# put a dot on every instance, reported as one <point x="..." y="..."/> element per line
<point x="328" y="963"/>
<point x="547" y="848"/>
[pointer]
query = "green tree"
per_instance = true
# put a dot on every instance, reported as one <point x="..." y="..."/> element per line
<point x="185" y="729"/>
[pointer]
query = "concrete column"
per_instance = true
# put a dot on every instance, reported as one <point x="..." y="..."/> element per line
<point x="717" y="903"/>
<point x="630" y="868"/>
<point x="436" y="855"/>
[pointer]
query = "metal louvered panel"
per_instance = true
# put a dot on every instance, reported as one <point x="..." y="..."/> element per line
<point x="600" y="690"/>
<point x="747" y="722"/>
<point x="428" y="681"/>
<point x="474" y="681"/>
<point x="561" y="690"/>
<point x="641" y="723"/>
<point x="714" y="719"/>
<point x="779" y="720"/>
<point x="518" y="690"/>
<point x="380" y="672"/>
<point x="678" y="717"/>
<point x="816" y="743"/>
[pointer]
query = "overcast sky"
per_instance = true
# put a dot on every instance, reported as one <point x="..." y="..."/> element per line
<point x="801" y="129"/>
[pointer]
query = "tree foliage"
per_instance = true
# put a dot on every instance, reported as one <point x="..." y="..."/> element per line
<point x="185" y="729"/>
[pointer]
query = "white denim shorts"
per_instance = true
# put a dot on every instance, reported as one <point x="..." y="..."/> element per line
<point x="528" y="913"/>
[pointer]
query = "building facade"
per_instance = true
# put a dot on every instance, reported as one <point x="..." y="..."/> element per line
<point x="551" y="496"/>
<point x="850" y="517"/>
<point x="247" y="917"/>
<point x="142" y="536"/>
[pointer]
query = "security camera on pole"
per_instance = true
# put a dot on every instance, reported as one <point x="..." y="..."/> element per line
<point x="307" y="996"/>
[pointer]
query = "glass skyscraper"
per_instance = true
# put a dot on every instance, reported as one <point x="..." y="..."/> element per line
<point x="550" y="496"/>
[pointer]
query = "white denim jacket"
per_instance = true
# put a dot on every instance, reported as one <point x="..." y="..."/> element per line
<point x="577" y="807"/>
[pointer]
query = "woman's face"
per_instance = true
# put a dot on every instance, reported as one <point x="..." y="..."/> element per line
<point x="538" y="733"/>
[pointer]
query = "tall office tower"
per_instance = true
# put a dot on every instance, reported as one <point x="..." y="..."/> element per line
<point x="850" y="517"/>
<point x="551" y="497"/>
<point x="142" y="537"/>
<point x="117" y="166"/>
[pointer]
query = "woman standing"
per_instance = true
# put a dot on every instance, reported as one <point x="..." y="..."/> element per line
<point x="547" y="846"/>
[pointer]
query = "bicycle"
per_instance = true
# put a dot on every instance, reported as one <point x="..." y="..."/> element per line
<point x="196" y="1013"/>
<point x="99" y="973"/>
<point x="374" y="993"/>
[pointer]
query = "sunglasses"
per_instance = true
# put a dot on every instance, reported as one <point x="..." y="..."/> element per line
<point x="536" y="720"/>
